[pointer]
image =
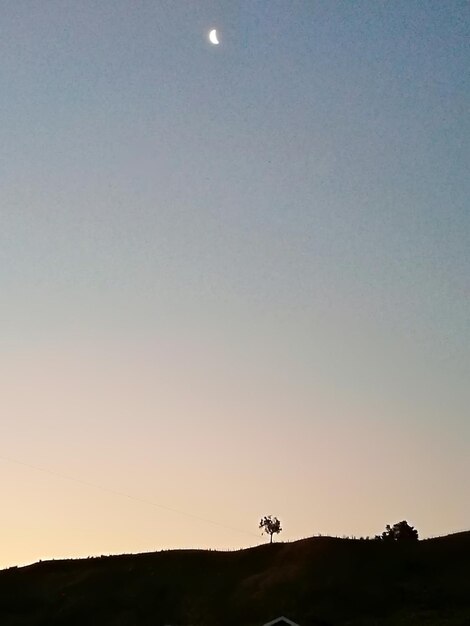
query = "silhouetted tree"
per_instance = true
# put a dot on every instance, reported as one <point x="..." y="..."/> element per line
<point x="401" y="531"/>
<point x="270" y="525"/>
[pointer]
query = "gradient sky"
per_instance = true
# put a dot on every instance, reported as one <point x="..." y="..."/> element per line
<point x="234" y="280"/>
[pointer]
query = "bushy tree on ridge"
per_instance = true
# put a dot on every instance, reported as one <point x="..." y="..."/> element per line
<point x="270" y="525"/>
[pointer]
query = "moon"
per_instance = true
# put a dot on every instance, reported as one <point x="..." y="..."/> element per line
<point x="213" y="37"/>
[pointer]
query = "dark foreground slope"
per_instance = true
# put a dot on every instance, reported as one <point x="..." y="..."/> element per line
<point x="313" y="581"/>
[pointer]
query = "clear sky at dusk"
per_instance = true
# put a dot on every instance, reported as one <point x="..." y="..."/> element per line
<point x="234" y="279"/>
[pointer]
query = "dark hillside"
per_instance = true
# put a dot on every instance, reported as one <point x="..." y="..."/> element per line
<point x="314" y="581"/>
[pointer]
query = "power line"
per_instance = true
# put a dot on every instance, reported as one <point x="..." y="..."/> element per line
<point x="126" y="495"/>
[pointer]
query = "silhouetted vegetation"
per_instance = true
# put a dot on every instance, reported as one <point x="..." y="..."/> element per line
<point x="401" y="531"/>
<point x="322" y="580"/>
<point x="270" y="525"/>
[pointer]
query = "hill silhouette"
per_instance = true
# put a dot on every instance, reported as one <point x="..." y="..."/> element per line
<point x="317" y="581"/>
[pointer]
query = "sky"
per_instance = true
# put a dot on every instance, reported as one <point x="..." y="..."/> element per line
<point x="234" y="279"/>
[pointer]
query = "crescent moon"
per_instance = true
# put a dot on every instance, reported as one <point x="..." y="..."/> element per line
<point x="213" y="37"/>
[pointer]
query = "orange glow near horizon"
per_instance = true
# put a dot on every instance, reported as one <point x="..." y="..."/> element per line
<point x="119" y="426"/>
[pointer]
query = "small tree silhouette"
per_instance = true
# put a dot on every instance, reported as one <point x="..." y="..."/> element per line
<point x="401" y="531"/>
<point x="270" y="525"/>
